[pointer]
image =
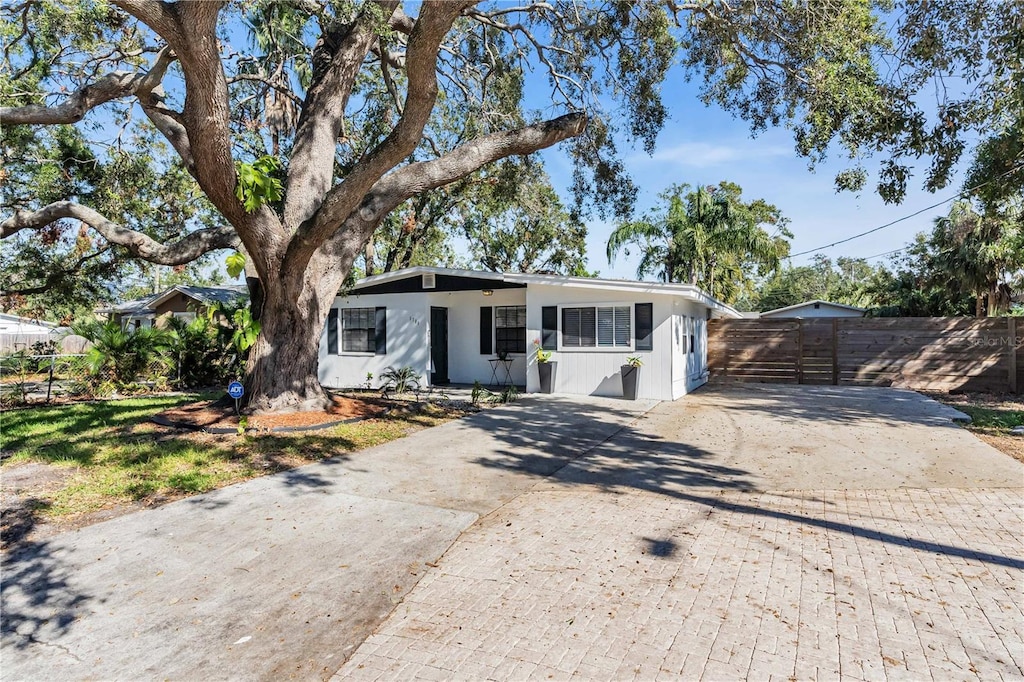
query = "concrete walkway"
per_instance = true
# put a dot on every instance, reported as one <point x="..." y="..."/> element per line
<point x="769" y="533"/>
<point x="279" y="577"/>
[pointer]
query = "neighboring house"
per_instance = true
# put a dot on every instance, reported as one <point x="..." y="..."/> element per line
<point x="12" y="324"/>
<point x="180" y="301"/>
<point x="451" y="326"/>
<point x="21" y="333"/>
<point x="815" y="308"/>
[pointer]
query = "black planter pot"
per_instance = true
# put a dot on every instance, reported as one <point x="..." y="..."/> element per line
<point x="547" y="376"/>
<point x="630" y="380"/>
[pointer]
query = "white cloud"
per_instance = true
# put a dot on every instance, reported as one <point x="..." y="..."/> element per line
<point x="706" y="155"/>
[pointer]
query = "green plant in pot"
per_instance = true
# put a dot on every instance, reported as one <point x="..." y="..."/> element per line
<point x="631" y="376"/>
<point x="545" y="368"/>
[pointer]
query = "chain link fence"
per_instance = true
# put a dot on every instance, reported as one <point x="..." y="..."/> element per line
<point x="27" y="379"/>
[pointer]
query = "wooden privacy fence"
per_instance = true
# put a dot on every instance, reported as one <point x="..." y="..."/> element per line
<point x="938" y="353"/>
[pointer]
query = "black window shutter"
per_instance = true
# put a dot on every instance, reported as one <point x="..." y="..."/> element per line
<point x="380" y="337"/>
<point x="549" y="327"/>
<point x="332" y="332"/>
<point x="486" y="340"/>
<point x="644" y="326"/>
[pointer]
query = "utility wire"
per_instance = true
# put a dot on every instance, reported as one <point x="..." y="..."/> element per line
<point x="887" y="253"/>
<point x="908" y="217"/>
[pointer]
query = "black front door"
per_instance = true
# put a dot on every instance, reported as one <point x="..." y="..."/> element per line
<point x="439" y="346"/>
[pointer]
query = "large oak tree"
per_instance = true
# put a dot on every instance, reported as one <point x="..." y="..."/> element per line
<point x="305" y="122"/>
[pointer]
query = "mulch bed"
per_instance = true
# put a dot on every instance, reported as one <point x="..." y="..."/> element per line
<point x="219" y="418"/>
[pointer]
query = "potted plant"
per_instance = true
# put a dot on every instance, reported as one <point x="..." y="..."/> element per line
<point x="631" y="376"/>
<point x="545" y="368"/>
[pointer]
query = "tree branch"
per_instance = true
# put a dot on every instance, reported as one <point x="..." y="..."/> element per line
<point x="157" y="15"/>
<point x="433" y="24"/>
<point x="184" y="250"/>
<point x="337" y="60"/>
<point x="54" y="277"/>
<point x="416" y="178"/>
<point x="110" y="87"/>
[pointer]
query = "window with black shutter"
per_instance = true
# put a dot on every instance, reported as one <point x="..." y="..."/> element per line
<point x="359" y="330"/>
<point x="510" y="329"/>
<point x="597" y="327"/>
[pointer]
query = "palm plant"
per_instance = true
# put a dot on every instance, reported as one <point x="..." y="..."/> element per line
<point x="202" y="352"/>
<point x="122" y="354"/>
<point x="706" y="237"/>
<point x="400" y="380"/>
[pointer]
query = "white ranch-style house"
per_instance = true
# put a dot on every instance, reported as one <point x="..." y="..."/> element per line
<point x="462" y="326"/>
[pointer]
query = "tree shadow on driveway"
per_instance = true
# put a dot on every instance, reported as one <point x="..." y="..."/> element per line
<point x="632" y="458"/>
<point x="38" y="601"/>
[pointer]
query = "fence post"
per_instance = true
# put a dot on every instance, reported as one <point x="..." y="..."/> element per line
<point x="799" y="351"/>
<point x="49" y="382"/>
<point x="1011" y="327"/>
<point x="835" y="351"/>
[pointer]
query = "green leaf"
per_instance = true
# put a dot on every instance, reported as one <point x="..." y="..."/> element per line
<point x="235" y="263"/>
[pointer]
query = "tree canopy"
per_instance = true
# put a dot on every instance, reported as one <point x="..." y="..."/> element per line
<point x="301" y="124"/>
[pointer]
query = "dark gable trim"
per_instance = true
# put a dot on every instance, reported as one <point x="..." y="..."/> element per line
<point x="414" y="283"/>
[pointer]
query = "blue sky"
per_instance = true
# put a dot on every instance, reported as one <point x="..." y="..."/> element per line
<point x="704" y="145"/>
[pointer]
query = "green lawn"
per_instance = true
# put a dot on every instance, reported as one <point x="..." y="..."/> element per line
<point x="113" y="455"/>
<point x="999" y="420"/>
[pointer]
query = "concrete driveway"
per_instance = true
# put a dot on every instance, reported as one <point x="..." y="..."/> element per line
<point x="743" y="532"/>
<point x="755" y="532"/>
<point x="279" y="577"/>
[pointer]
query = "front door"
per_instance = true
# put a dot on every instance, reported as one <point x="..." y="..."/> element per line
<point x="438" y="346"/>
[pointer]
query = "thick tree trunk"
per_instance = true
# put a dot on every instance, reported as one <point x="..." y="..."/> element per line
<point x="281" y="373"/>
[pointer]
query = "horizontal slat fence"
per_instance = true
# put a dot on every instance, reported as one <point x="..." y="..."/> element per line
<point x="939" y="353"/>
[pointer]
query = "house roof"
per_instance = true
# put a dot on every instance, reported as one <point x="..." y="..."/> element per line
<point x="6" y="317"/>
<point x="688" y="291"/>
<point x="147" y="306"/>
<point x="788" y="308"/>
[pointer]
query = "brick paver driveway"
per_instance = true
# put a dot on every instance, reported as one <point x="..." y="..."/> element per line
<point x="768" y="533"/>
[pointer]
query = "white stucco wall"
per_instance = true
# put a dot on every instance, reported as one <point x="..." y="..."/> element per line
<point x="598" y="371"/>
<point x="408" y="338"/>
<point x="669" y="371"/>
<point x="408" y="317"/>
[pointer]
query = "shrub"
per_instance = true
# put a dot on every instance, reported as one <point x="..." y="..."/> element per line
<point x="122" y="355"/>
<point x="202" y="353"/>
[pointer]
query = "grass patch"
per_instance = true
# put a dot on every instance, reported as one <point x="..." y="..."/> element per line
<point x="118" y="457"/>
<point x="993" y="416"/>
<point x="997" y="420"/>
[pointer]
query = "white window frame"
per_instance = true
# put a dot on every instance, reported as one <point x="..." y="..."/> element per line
<point x="341" y="333"/>
<point x="562" y="348"/>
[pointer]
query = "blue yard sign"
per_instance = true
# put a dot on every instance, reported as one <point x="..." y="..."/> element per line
<point x="236" y="390"/>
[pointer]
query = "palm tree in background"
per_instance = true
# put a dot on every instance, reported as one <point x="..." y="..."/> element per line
<point x="707" y="237"/>
<point x="975" y="254"/>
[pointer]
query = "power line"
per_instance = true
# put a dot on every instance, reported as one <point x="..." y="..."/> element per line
<point x="907" y="217"/>
<point x="887" y="253"/>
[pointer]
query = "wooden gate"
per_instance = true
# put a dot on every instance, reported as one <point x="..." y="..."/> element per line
<point x="940" y="353"/>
